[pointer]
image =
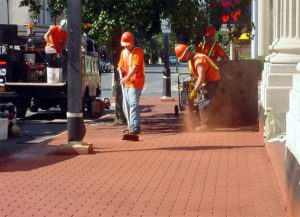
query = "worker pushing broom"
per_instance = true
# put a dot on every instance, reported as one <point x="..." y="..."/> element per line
<point x="132" y="75"/>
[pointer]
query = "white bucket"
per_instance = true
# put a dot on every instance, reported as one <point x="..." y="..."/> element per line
<point x="3" y="128"/>
<point x="54" y="75"/>
<point x="29" y="57"/>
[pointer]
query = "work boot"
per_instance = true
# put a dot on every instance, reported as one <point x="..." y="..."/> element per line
<point x="202" y="128"/>
<point x="135" y="132"/>
<point x="203" y="117"/>
<point x="126" y="130"/>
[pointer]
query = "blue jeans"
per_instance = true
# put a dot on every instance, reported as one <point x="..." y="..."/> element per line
<point x="132" y="98"/>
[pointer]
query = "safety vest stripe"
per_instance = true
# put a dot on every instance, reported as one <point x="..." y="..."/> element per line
<point x="211" y="49"/>
<point x="209" y="60"/>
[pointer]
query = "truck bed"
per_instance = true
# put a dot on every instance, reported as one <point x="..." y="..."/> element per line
<point x="44" y="90"/>
<point x="35" y="84"/>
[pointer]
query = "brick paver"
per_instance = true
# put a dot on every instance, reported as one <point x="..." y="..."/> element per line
<point x="169" y="172"/>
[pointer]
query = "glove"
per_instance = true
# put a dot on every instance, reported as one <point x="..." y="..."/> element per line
<point x="193" y="95"/>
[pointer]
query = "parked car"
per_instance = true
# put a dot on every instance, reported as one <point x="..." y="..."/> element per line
<point x="173" y="60"/>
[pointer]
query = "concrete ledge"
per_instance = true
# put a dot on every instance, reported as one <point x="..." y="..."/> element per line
<point x="276" y="153"/>
<point x="292" y="174"/>
<point x="72" y="148"/>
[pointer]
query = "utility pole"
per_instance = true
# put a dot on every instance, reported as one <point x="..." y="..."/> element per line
<point x="165" y="27"/>
<point x="167" y="71"/>
<point x="7" y="8"/>
<point x="76" y="128"/>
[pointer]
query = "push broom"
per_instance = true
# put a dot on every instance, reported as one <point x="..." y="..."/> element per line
<point x="127" y="136"/>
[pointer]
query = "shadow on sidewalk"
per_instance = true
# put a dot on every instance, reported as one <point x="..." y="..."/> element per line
<point x="184" y="148"/>
<point x="35" y="157"/>
<point x="160" y="124"/>
<point x="146" y="108"/>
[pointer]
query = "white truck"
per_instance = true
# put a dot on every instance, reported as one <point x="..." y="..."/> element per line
<point x="23" y="73"/>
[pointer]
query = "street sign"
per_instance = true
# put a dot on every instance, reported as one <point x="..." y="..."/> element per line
<point x="165" y="26"/>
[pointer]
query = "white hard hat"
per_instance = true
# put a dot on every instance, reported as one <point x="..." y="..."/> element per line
<point x="63" y="23"/>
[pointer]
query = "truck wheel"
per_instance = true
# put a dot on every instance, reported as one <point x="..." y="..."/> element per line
<point x="98" y="91"/>
<point x="63" y="109"/>
<point x="21" y="111"/>
<point x="176" y="110"/>
<point x="33" y="105"/>
<point x="89" y="106"/>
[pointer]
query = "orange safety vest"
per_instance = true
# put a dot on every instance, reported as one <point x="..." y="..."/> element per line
<point x="212" y="70"/>
<point x="211" y="49"/>
<point x="127" y="60"/>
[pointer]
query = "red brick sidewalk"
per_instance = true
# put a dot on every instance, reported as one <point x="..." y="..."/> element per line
<point x="169" y="172"/>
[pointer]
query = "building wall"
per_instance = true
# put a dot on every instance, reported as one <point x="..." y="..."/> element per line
<point x="20" y="15"/>
<point x="3" y="12"/>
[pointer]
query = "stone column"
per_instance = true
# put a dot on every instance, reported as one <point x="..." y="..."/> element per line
<point x="292" y="153"/>
<point x="293" y="117"/>
<point x="263" y="26"/>
<point x="254" y="42"/>
<point x="280" y="65"/>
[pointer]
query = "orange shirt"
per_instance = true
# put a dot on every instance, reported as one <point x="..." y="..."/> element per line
<point x="211" y="71"/>
<point x="57" y="38"/>
<point x="133" y="58"/>
<point x="211" y="49"/>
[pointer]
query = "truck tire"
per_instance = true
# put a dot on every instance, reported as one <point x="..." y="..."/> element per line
<point x="21" y="110"/>
<point x="176" y="108"/>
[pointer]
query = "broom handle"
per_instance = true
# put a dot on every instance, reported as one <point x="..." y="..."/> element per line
<point x="124" y="100"/>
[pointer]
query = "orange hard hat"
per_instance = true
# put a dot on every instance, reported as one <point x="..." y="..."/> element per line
<point x="180" y="50"/>
<point x="210" y="31"/>
<point x="127" y="39"/>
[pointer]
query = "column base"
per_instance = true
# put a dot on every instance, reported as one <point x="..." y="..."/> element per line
<point x="166" y="98"/>
<point x="75" y="147"/>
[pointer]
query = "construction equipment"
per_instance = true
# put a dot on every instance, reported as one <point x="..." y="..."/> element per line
<point x="127" y="135"/>
<point x="185" y="85"/>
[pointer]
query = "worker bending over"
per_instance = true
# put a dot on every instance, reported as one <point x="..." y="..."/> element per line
<point x="207" y="79"/>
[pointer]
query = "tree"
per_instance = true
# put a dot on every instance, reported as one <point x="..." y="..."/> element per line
<point x="109" y="19"/>
<point x="34" y="7"/>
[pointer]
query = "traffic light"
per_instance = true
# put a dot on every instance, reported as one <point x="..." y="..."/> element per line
<point x="231" y="12"/>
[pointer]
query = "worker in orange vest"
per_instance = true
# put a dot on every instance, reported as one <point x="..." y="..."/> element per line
<point x="56" y="38"/>
<point x="131" y="64"/>
<point x="207" y="79"/>
<point x="211" y="48"/>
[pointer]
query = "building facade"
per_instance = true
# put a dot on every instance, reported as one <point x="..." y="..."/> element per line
<point x="280" y="90"/>
<point x="11" y="13"/>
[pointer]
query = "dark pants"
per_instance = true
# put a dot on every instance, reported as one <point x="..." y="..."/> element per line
<point x="209" y="91"/>
<point x="58" y="62"/>
<point x="53" y="60"/>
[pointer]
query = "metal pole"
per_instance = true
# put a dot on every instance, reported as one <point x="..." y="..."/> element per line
<point x="76" y="128"/>
<point x="166" y="72"/>
<point x="7" y="8"/>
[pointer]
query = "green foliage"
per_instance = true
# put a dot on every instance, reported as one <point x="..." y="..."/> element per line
<point x="34" y="7"/>
<point x="188" y="19"/>
<point x="56" y="7"/>
<point x="139" y="17"/>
